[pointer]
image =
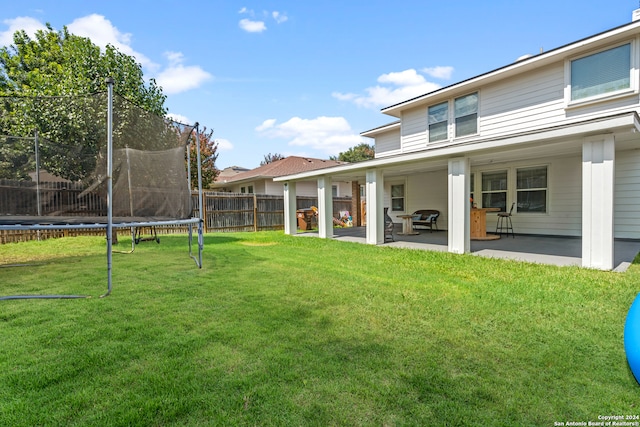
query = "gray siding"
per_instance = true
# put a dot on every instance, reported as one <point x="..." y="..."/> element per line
<point x="627" y="195"/>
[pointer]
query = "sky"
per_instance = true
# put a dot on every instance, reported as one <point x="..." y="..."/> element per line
<point x="303" y="78"/>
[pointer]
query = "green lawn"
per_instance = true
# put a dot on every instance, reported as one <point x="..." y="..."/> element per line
<point x="277" y="330"/>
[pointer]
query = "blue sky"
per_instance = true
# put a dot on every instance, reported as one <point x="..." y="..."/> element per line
<point x="306" y="78"/>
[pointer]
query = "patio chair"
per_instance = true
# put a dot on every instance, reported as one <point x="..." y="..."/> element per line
<point x="504" y="223"/>
<point x="426" y="218"/>
<point x="388" y="227"/>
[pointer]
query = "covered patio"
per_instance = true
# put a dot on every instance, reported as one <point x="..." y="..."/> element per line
<point x="560" y="251"/>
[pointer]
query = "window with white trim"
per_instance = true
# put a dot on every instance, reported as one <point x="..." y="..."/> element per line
<point x="438" y="122"/>
<point x="602" y="73"/>
<point x="466" y="114"/>
<point x="494" y="189"/>
<point x="397" y="198"/>
<point x="531" y="188"/>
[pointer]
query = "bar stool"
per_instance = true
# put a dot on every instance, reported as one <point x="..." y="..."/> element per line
<point x="504" y="222"/>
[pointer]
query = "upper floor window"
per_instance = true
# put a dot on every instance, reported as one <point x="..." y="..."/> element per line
<point x="466" y="114"/>
<point x="601" y="73"/>
<point x="438" y="122"/>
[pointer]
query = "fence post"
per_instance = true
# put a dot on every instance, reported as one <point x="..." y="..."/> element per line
<point x="204" y="211"/>
<point x="255" y="212"/>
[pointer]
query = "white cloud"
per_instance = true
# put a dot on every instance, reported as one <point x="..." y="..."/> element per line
<point x="256" y="25"/>
<point x="439" y="72"/>
<point x="179" y="118"/>
<point x="279" y="17"/>
<point x="177" y="78"/>
<point x="224" y="144"/>
<point x="327" y="134"/>
<point x="408" y="77"/>
<point x="394" y="87"/>
<point x="252" y="26"/>
<point x="267" y="124"/>
<point x="26" y="23"/>
<point x="102" y="32"/>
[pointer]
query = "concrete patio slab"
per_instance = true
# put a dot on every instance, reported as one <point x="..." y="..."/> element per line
<point x="560" y="251"/>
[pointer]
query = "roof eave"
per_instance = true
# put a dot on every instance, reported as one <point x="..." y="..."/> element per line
<point x="515" y="68"/>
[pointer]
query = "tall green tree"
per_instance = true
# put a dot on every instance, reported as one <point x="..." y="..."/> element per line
<point x="62" y="70"/>
<point x="358" y="153"/>
<point x="60" y="63"/>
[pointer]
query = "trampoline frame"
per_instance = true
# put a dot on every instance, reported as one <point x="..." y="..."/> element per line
<point x="109" y="225"/>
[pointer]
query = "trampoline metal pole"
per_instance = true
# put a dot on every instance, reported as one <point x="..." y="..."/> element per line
<point x="200" y="197"/>
<point x="109" y="81"/>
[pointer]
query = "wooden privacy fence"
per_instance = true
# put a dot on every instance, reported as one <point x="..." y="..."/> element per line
<point x="223" y="212"/>
<point x="255" y="212"/>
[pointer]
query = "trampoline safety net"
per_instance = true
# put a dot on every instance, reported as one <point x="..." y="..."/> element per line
<point x="53" y="162"/>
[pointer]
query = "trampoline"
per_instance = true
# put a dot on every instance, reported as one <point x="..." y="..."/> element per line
<point x="96" y="162"/>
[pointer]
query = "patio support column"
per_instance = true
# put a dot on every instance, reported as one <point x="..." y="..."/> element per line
<point x="290" y="207"/>
<point x="598" y="178"/>
<point x="375" y="202"/>
<point x="355" y="204"/>
<point x="459" y="206"/>
<point x="325" y="208"/>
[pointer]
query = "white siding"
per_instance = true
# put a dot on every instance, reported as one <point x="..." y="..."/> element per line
<point x="388" y="144"/>
<point x="414" y="129"/>
<point x="429" y="191"/>
<point x="307" y="188"/>
<point x="531" y="101"/>
<point x="528" y="102"/>
<point x="627" y="195"/>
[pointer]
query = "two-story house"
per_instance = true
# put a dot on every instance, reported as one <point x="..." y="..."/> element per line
<point x="558" y="134"/>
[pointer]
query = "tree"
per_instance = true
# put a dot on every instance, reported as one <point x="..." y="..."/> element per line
<point x="208" y="155"/>
<point x="270" y="158"/>
<point x="359" y="153"/>
<point x="58" y="64"/>
<point x="61" y="63"/>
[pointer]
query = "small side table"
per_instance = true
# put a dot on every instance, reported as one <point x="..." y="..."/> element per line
<point x="407" y="225"/>
<point x="479" y="224"/>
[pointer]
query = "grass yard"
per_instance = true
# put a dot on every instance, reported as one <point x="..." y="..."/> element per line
<point x="277" y="330"/>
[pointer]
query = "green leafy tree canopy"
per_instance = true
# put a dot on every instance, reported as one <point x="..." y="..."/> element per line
<point x="59" y="63"/>
<point x="54" y="75"/>
<point x="359" y="153"/>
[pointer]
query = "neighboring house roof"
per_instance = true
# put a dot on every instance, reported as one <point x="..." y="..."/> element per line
<point x="287" y="166"/>
<point x="231" y="171"/>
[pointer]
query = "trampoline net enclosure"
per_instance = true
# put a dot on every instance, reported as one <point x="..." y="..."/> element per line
<point x="53" y="162"/>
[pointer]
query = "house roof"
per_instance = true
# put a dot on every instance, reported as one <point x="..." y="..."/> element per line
<point x="287" y="166"/>
<point x="621" y="32"/>
<point x="381" y="129"/>
<point x="230" y="172"/>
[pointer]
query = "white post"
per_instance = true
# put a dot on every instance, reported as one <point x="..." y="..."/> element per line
<point x="375" y="204"/>
<point x="598" y="178"/>
<point x="290" y="207"/>
<point x="325" y="208"/>
<point x="459" y="205"/>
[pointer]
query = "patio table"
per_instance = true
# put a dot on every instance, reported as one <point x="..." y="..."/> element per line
<point x="479" y="224"/>
<point x="407" y="225"/>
